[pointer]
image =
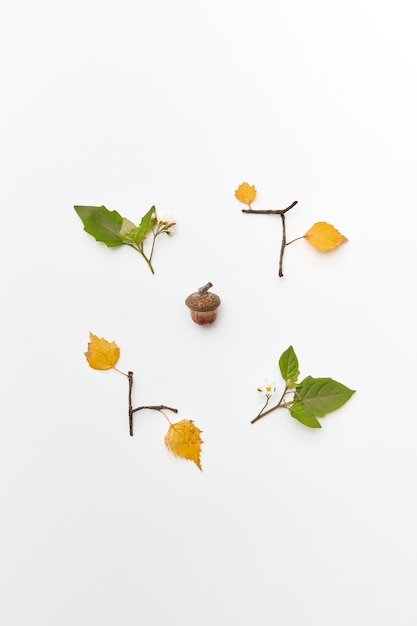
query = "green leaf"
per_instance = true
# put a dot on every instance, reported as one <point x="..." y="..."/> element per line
<point x="128" y="232"/>
<point x="126" y="227"/>
<point x="102" y="224"/>
<point x="148" y="221"/>
<point x="288" y="364"/>
<point x="322" y="395"/>
<point x="300" y="412"/>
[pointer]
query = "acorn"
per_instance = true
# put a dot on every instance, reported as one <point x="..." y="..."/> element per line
<point x="203" y="305"/>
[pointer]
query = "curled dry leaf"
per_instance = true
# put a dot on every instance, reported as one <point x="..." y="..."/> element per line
<point x="245" y="193"/>
<point x="183" y="439"/>
<point x="324" y="236"/>
<point x="102" y="354"/>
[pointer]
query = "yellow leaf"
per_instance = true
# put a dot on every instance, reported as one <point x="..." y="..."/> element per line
<point x="324" y="236"/>
<point x="101" y="354"/>
<point x="183" y="439"/>
<point x="245" y="193"/>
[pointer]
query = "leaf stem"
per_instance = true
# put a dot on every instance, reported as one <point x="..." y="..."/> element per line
<point x="296" y="239"/>
<point x="268" y="397"/>
<point x="166" y="417"/>
<point x="280" y="212"/>
<point x="280" y="405"/>
<point x="140" y="250"/>
<point x="149" y="262"/>
<point x="120" y="371"/>
<point x="152" y="249"/>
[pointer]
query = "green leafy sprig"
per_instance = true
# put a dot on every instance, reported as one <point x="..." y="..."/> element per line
<point x="114" y="230"/>
<point x="306" y="400"/>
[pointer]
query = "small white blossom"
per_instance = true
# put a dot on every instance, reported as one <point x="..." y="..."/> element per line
<point x="268" y="389"/>
<point x="166" y="219"/>
<point x="165" y="224"/>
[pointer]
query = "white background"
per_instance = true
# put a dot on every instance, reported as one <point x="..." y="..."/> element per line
<point x="131" y="104"/>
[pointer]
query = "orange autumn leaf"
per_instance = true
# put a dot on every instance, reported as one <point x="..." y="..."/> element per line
<point x="324" y="236"/>
<point x="183" y="439"/>
<point x="101" y="354"/>
<point x="245" y="193"/>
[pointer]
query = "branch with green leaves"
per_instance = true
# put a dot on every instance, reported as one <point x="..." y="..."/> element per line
<point x="306" y="400"/>
<point x="114" y="230"/>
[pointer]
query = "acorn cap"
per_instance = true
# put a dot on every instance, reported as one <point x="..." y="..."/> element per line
<point x="203" y="301"/>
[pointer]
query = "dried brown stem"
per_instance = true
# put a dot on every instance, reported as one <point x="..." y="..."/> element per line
<point x="159" y="407"/>
<point x="270" y="211"/>
<point x="280" y="212"/>
<point x="130" y="379"/>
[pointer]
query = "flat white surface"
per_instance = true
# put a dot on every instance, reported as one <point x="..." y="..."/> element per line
<point x="130" y="104"/>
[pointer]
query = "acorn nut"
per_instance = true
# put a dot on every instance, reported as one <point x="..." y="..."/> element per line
<point x="203" y="305"/>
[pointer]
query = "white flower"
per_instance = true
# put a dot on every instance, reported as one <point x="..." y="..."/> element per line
<point x="268" y="389"/>
<point x="168" y="220"/>
<point x="165" y="223"/>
